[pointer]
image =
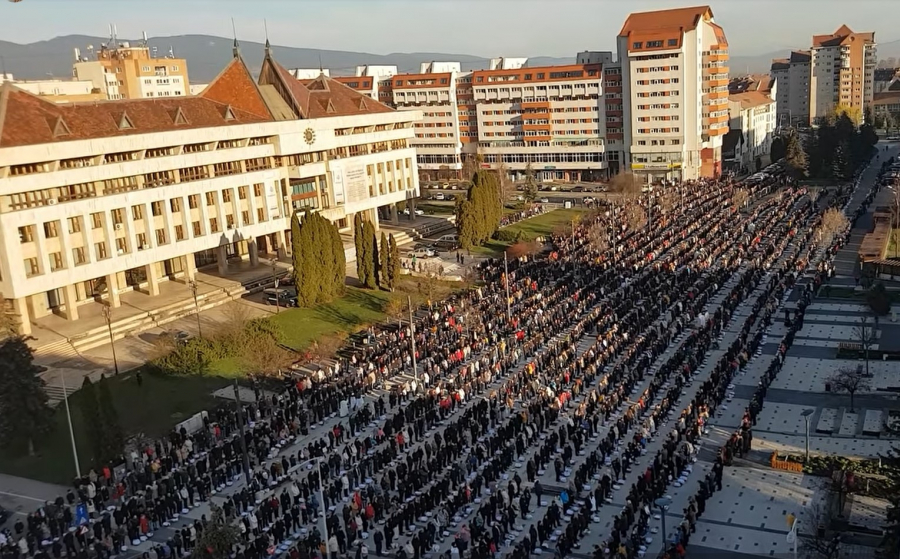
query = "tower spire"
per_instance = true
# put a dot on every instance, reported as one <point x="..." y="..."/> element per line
<point x="236" y="49"/>
<point x="268" y="46"/>
<point x="321" y="68"/>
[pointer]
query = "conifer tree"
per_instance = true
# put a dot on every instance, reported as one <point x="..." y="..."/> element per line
<point x="394" y="269"/>
<point x="25" y="415"/>
<point x="93" y="423"/>
<point x="384" y="264"/>
<point x="113" y="436"/>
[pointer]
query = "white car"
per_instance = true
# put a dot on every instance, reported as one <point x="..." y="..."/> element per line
<point x="418" y="211"/>
<point x="544" y="200"/>
<point x="440" y="196"/>
<point x="421" y="253"/>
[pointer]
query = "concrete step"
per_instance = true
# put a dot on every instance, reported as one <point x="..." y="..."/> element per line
<point x="56" y="394"/>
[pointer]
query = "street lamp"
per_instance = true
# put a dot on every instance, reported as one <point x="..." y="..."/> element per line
<point x="806" y="415"/>
<point x="193" y="285"/>
<point x="107" y="315"/>
<point x="412" y="340"/>
<point x="277" y="295"/>
<point x="62" y="377"/>
<point x="663" y="505"/>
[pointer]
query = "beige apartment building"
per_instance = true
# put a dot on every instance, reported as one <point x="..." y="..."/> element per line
<point x="792" y="75"/>
<point x="842" y="68"/>
<point x="122" y="71"/>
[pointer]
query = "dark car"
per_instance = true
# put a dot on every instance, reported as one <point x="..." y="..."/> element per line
<point x="283" y="297"/>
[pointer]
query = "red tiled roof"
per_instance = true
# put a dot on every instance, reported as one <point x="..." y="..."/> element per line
<point x="299" y="94"/>
<point x="840" y="37"/>
<point x="679" y="18"/>
<point x="26" y="119"/>
<point x="234" y="86"/>
<point x="329" y="97"/>
<point x="751" y="99"/>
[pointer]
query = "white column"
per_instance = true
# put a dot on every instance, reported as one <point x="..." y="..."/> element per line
<point x="222" y="256"/>
<point x="190" y="267"/>
<point x="186" y="221"/>
<point x="251" y="203"/>
<point x="152" y="278"/>
<point x="65" y="247"/>
<point x="71" y="301"/>
<point x="169" y="220"/>
<point x="253" y="250"/>
<point x="281" y="241"/>
<point x="41" y="246"/>
<point x="236" y="207"/>
<point x="112" y="288"/>
<point x="150" y="225"/>
<point x="220" y="210"/>
<point x="20" y="306"/>
<point x="109" y="233"/>
<point x="130" y="232"/>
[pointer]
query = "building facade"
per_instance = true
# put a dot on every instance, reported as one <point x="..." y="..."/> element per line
<point x="752" y="124"/>
<point x="842" y="68"/>
<point x="792" y="76"/>
<point x="100" y="198"/>
<point x="59" y="91"/>
<point x="675" y="88"/>
<point x="122" y="71"/>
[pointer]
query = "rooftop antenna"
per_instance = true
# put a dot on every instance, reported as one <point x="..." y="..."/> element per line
<point x="236" y="49"/>
<point x="268" y="46"/>
<point x="115" y="36"/>
<point x="144" y="34"/>
<point x="321" y="68"/>
<point x="171" y="52"/>
<point x="111" y="36"/>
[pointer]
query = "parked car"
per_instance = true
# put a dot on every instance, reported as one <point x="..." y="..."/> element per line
<point x="283" y="297"/>
<point x="418" y="211"/>
<point x="440" y="196"/>
<point x="447" y="242"/>
<point x="421" y="253"/>
<point x="578" y="189"/>
<point x="544" y="200"/>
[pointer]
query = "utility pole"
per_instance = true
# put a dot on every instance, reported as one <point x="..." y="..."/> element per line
<point x="412" y="340"/>
<point x="506" y="277"/>
<point x="62" y="377"/>
<point x="240" y="413"/>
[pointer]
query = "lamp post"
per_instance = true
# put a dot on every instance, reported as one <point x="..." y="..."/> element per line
<point x="506" y="277"/>
<point x="277" y="294"/>
<point x="62" y="377"/>
<point x="240" y="414"/>
<point x="412" y="340"/>
<point x="107" y="315"/>
<point x="663" y="505"/>
<point x="806" y="415"/>
<point x="193" y="285"/>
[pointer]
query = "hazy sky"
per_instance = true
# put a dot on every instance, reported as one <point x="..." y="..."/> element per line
<point x="479" y="27"/>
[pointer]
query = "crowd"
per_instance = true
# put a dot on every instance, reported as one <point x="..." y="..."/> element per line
<point x="573" y="359"/>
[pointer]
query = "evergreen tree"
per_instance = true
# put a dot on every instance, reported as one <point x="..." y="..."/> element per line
<point x="842" y="165"/>
<point x="369" y="277"/>
<point x="25" y="415"/>
<point x="90" y="415"/>
<point x="113" y="436"/>
<point x="384" y="264"/>
<point x="795" y="156"/>
<point x="394" y="269"/>
<point x="218" y="538"/>
<point x="338" y="262"/>
<point x="466" y="225"/>
<point x="778" y="149"/>
<point x="305" y="279"/>
<point x="359" y="240"/>
<point x="319" y="260"/>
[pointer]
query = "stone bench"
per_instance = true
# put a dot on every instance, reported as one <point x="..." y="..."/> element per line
<point x="827" y="421"/>
<point x="873" y="423"/>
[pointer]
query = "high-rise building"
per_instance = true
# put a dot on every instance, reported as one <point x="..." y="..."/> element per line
<point x="842" y="71"/>
<point x="792" y="76"/>
<point x="122" y="71"/>
<point x="98" y="199"/>
<point x="675" y="89"/>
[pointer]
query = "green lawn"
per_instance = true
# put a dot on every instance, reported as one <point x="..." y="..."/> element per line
<point x="540" y="226"/>
<point x="358" y="308"/>
<point x="152" y="409"/>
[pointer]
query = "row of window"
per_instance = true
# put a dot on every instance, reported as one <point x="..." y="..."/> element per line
<point x="648" y="69"/>
<point x="119" y="157"/>
<point x="674" y="142"/>
<point x="593" y="157"/>
<point x="663" y="118"/>
<point x="658" y="106"/>
<point x="645" y="94"/>
<point x="658" y="130"/>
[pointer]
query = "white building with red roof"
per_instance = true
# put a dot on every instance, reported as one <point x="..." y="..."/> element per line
<point x="101" y="198"/>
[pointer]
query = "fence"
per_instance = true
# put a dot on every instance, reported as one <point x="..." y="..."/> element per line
<point x="785" y="465"/>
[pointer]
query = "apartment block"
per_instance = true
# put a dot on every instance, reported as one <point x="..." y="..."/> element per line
<point x="122" y="71"/>
<point x="97" y="199"/>
<point x="842" y="68"/>
<point x="675" y="88"/>
<point x="792" y="75"/>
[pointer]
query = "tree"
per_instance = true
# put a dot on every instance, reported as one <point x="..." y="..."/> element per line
<point x="113" y="435"/>
<point x="466" y="223"/>
<point x="319" y="260"/>
<point x="531" y="186"/>
<point x="9" y="324"/>
<point x="89" y="406"/>
<point x="523" y="248"/>
<point x="507" y="186"/>
<point x="218" y="537"/>
<point x="635" y="216"/>
<point x="740" y="198"/>
<point x="778" y="149"/>
<point x="393" y="263"/>
<point x="262" y="355"/>
<point x="850" y="380"/>
<point x="879" y="300"/>
<point x="866" y="336"/>
<point x="235" y="316"/>
<point x="365" y="264"/>
<point x="478" y="215"/>
<point x="895" y="119"/>
<point x="384" y="263"/>
<point x="327" y="346"/>
<point x="795" y="156"/>
<point x="25" y="415"/>
<point x="395" y="310"/>
<point x="851" y="113"/>
<point x="813" y="533"/>
<point x="626" y="185"/>
<point x="891" y="464"/>
<point x="833" y="223"/>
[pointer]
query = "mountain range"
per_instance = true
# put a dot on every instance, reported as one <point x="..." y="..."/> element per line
<point x="206" y="55"/>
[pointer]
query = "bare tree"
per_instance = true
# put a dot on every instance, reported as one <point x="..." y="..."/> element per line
<point x="740" y="198"/>
<point x="235" y="316"/>
<point x="635" y="215"/>
<point x="469" y="166"/>
<point x="9" y="325"/>
<point x="598" y="236"/>
<point x="395" y="310"/>
<point x="834" y="222"/>
<point x="815" y="540"/>
<point x="865" y="334"/>
<point x="626" y="185"/>
<point x="261" y="355"/>
<point x="507" y="186"/>
<point x="666" y="201"/>
<point x="523" y="248"/>
<point x="850" y="380"/>
<point x="327" y="346"/>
